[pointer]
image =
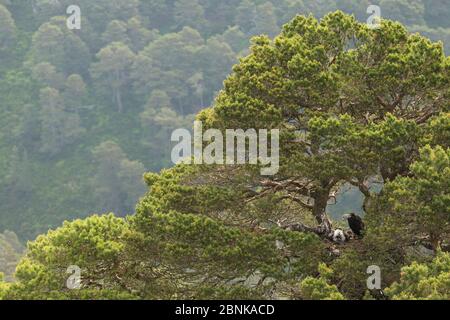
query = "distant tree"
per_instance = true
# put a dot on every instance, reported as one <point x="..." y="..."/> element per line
<point x="75" y="90"/>
<point x="43" y="10"/>
<point x="59" y="127"/>
<point x="166" y="118"/>
<point x="235" y="38"/>
<point x="159" y="14"/>
<point x="265" y="20"/>
<point x="47" y="45"/>
<point x="219" y="14"/>
<point x="318" y="8"/>
<point x="166" y="64"/>
<point x="358" y="8"/>
<point x="29" y="129"/>
<point x="11" y="251"/>
<point x="216" y="59"/>
<point x="132" y="33"/>
<point x="113" y="70"/>
<point x="158" y="120"/>
<point x="437" y="13"/>
<point x="16" y="183"/>
<point x="77" y="56"/>
<point x="116" y="31"/>
<point x="144" y="74"/>
<point x="108" y="157"/>
<point x="47" y="75"/>
<point x="246" y="16"/>
<point x="131" y="181"/>
<point x="409" y="12"/>
<point x="97" y="14"/>
<point x="189" y="13"/>
<point x="139" y="35"/>
<point x="7" y="29"/>
<point x="198" y="86"/>
<point x="121" y="10"/>
<point x="158" y="99"/>
<point x="118" y="181"/>
<point x="54" y="43"/>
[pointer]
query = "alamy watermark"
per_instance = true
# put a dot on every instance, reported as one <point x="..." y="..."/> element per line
<point x="374" y="20"/>
<point x="74" y="280"/>
<point x="238" y="147"/>
<point x="374" y="280"/>
<point x="74" y="20"/>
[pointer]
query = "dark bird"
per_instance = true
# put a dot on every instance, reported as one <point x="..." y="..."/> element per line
<point x="355" y="223"/>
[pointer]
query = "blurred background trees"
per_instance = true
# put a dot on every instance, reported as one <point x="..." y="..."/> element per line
<point x="11" y="251"/>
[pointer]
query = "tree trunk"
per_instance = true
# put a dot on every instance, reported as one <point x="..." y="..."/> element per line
<point x="118" y="94"/>
<point x="319" y="212"/>
<point x="119" y="100"/>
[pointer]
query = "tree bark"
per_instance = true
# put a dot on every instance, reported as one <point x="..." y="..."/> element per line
<point x="319" y="211"/>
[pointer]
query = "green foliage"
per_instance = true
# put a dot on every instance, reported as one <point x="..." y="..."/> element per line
<point x="95" y="245"/>
<point x="182" y="48"/>
<point x="7" y="28"/>
<point x="11" y="251"/>
<point x="113" y="69"/>
<point x="318" y="288"/>
<point x="438" y="131"/>
<point x="194" y="250"/>
<point x="407" y="217"/>
<point x="423" y="281"/>
<point x="84" y="113"/>
<point x="59" y="127"/>
<point x="343" y="120"/>
<point x="3" y="287"/>
<point x="118" y="181"/>
<point x="418" y="205"/>
<point x="290" y="83"/>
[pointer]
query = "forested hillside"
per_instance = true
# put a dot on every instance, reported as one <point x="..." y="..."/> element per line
<point x="85" y="113"/>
